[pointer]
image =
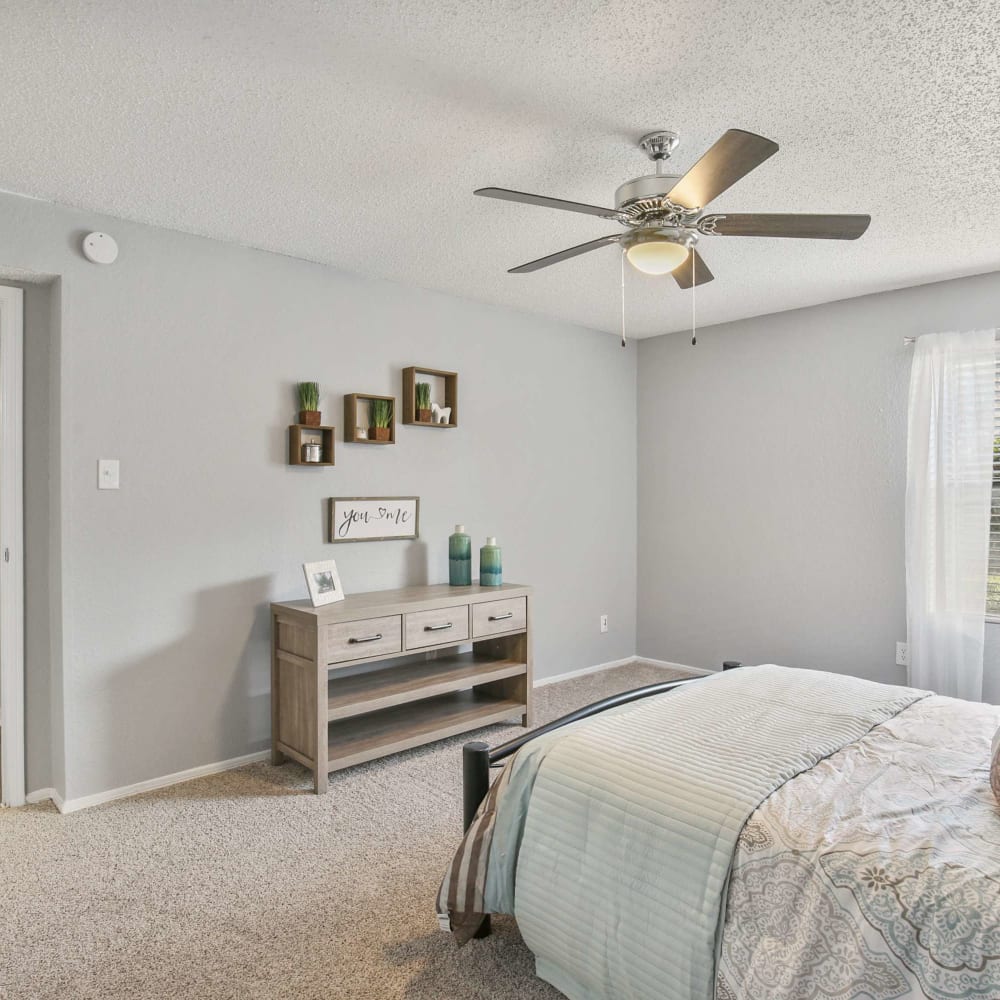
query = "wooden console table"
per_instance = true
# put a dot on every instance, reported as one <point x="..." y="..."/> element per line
<point x="381" y="672"/>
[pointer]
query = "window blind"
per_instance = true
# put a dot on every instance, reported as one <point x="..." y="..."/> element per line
<point x="993" y="580"/>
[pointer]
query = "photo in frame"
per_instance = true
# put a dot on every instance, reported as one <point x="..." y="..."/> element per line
<point x="323" y="582"/>
<point x="374" y="519"/>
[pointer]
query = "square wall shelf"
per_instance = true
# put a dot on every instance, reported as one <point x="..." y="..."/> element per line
<point x="356" y="409"/>
<point x="300" y="434"/>
<point x="449" y="380"/>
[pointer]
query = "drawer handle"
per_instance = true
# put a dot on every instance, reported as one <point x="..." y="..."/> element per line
<point x="501" y="618"/>
<point x="437" y="628"/>
<point x="365" y="638"/>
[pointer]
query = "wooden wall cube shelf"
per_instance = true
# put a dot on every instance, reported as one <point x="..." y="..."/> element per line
<point x="300" y="434"/>
<point x="410" y="379"/>
<point x="351" y="418"/>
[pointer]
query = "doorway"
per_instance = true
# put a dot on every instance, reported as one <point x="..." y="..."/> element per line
<point x="12" y="763"/>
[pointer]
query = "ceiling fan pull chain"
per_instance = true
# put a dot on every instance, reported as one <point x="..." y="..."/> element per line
<point x="623" y="298"/>
<point x="694" y="299"/>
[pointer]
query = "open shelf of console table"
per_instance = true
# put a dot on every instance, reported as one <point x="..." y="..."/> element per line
<point x="385" y="671"/>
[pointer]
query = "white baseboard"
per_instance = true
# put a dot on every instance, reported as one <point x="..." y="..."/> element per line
<point x="44" y="795"/>
<point x="86" y="801"/>
<point x="674" y="666"/>
<point x="112" y="794"/>
<point x="570" y="674"/>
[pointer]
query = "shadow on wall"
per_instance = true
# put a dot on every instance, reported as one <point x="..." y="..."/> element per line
<point x="416" y="564"/>
<point x="223" y="660"/>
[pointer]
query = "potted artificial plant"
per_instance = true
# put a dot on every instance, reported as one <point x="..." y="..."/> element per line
<point x="309" y="414"/>
<point x="424" y="402"/>
<point x="380" y="419"/>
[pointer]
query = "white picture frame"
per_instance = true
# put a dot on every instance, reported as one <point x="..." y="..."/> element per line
<point x="323" y="582"/>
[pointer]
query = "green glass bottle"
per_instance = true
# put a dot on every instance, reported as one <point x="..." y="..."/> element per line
<point x="490" y="564"/>
<point x="460" y="558"/>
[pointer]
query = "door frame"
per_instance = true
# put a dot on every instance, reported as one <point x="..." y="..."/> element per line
<point x="12" y="744"/>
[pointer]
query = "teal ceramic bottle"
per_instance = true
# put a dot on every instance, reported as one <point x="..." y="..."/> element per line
<point x="460" y="558"/>
<point x="490" y="564"/>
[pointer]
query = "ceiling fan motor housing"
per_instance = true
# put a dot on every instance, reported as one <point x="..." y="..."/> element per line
<point x="640" y="188"/>
<point x="663" y="234"/>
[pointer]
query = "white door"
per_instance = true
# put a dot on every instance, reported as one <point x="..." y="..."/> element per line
<point x="11" y="549"/>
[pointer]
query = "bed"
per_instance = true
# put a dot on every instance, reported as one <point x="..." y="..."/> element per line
<point x="763" y="834"/>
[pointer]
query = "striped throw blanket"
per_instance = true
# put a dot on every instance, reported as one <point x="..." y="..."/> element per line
<point x="461" y="902"/>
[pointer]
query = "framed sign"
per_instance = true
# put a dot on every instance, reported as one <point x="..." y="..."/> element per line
<point x="374" y="519"/>
<point x="323" y="582"/>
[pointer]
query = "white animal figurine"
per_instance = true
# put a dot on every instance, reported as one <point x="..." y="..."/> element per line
<point x="440" y="414"/>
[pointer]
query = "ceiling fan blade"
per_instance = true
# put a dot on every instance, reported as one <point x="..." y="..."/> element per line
<point x="732" y="157"/>
<point x="799" y="227"/>
<point x="538" y="199"/>
<point x="694" y="271"/>
<point x="554" y="258"/>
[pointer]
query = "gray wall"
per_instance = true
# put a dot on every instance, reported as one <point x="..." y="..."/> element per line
<point x="772" y="478"/>
<point x="179" y="360"/>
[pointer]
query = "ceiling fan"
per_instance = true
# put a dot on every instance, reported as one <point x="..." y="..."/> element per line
<point x="663" y="212"/>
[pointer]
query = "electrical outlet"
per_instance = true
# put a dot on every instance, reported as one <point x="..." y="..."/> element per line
<point x="604" y="623"/>
<point x="902" y="654"/>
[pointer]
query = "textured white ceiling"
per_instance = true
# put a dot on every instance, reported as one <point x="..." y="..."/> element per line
<point x="354" y="133"/>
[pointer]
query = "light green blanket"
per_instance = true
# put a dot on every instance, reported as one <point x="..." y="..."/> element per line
<point x="614" y="837"/>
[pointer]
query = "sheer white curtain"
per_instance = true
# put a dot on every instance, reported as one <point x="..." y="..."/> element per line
<point x="949" y="475"/>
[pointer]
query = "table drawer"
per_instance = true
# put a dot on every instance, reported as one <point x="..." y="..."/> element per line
<point x="431" y="628"/>
<point x="493" y="617"/>
<point x="368" y="637"/>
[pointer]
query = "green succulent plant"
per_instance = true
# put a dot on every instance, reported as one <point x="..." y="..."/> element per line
<point x="380" y="412"/>
<point x="423" y="395"/>
<point x="308" y="395"/>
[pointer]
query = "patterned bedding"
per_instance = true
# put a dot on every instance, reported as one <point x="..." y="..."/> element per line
<point x="871" y="874"/>
<point x="876" y="873"/>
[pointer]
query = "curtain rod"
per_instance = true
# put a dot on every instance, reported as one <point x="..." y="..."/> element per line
<point x="910" y="341"/>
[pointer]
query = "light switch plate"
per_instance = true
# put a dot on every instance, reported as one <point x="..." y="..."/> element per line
<point x="107" y="473"/>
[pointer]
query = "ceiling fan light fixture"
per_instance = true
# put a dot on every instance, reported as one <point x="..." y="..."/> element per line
<point x="656" y="255"/>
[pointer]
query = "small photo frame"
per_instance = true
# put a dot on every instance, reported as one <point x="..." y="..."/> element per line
<point x="323" y="582"/>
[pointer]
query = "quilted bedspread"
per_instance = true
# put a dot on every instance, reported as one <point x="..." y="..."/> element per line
<point x="874" y="875"/>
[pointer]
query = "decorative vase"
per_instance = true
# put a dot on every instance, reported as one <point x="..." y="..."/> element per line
<point x="310" y="418"/>
<point x="378" y="433"/>
<point x="424" y="416"/>
<point x="460" y="558"/>
<point x="490" y="564"/>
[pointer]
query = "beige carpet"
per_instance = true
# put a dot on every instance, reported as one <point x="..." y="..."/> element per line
<point x="246" y="885"/>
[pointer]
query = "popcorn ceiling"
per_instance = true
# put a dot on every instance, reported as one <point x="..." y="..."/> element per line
<point x="353" y="133"/>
